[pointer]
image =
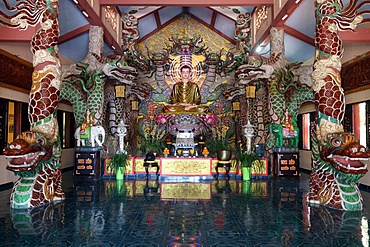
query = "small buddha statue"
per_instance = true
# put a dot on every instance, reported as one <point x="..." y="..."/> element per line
<point x="185" y="95"/>
<point x="286" y="121"/>
<point x="86" y="124"/>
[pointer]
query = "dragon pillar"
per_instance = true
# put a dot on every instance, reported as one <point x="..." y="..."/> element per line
<point x="337" y="156"/>
<point x="35" y="154"/>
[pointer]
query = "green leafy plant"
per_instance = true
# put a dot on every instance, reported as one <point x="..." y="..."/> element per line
<point x="152" y="138"/>
<point x="222" y="130"/>
<point x="214" y="145"/>
<point x="246" y="158"/>
<point x="117" y="161"/>
<point x="152" y="145"/>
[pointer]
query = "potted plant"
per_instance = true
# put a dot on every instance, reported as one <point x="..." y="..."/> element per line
<point x="220" y="148"/>
<point x="246" y="160"/>
<point x="118" y="164"/>
<point x="218" y="144"/>
<point x="152" y="138"/>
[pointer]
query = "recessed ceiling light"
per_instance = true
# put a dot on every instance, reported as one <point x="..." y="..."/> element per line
<point x="75" y="1"/>
<point x="284" y="17"/>
<point x="85" y="13"/>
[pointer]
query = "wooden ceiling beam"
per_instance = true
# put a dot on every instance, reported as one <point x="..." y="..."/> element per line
<point x="185" y="3"/>
<point x="301" y="36"/>
<point x="359" y="36"/>
<point x="94" y="19"/>
<point x="73" y="34"/>
<point x="16" y="35"/>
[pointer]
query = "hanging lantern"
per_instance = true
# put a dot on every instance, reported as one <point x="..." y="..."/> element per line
<point x="120" y="91"/>
<point x="134" y="105"/>
<point x="250" y="92"/>
<point x="236" y="106"/>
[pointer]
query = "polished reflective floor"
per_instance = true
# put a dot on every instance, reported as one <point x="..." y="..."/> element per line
<point x="212" y="213"/>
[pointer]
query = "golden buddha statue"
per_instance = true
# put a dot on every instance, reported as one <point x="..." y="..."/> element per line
<point x="185" y="95"/>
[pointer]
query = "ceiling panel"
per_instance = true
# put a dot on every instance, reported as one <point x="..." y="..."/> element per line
<point x="70" y="18"/>
<point x="203" y="13"/>
<point x="138" y="11"/>
<point x="233" y="11"/>
<point x="300" y="24"/>
<point x="168" y="13"/>
<point x="147" y="24"/>
<point x="75" y="49"/>
<point x="303" y="18"/>
<point x="225" y="25"/>
<point x="265" y="51"/>
<point x="297" y="50"/>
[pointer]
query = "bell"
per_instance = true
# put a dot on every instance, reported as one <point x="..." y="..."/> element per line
<point x="224" y="155"/>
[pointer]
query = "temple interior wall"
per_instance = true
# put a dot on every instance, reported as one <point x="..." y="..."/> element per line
<point x="305" y="155"/>
<point x="68" y="154"/>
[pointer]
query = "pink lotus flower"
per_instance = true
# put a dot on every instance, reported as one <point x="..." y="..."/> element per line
<point x="161" y="119"/>
<point x="210" y="118"/>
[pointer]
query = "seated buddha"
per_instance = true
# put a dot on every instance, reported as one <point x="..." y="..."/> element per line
<point x="185" y="95"/>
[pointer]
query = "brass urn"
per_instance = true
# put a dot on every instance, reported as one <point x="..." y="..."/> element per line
<point x="224" y="155"/>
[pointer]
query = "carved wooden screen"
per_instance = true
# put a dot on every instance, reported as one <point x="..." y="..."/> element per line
<point x="356" y="74"/>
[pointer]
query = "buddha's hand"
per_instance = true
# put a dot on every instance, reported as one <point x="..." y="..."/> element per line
<point x="189" y="106"/>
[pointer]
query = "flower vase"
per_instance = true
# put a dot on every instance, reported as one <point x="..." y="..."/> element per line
<point x="247" y="173"/>
<point x="205" y="155"/>
<point x="120" y="173"/>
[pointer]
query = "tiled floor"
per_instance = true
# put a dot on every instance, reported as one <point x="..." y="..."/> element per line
<point x="136" y="213"/>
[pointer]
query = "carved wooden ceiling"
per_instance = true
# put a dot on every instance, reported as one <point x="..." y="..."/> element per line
<point x="296" y="17"/>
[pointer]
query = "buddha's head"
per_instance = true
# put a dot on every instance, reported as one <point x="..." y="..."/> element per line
<point x="185" y="72"/>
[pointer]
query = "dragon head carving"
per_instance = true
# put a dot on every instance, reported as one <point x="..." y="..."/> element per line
<point x="26" y="151"/>
<point x="345" y="153"/>
<point x="36" y="160"/>
<point x="338" y="164"/>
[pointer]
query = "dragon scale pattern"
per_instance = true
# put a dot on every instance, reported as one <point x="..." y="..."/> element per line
<point x="35" y="155"/>
<point x="338" y="158"/>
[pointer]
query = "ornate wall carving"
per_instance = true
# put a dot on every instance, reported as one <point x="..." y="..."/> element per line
<point x="186" y="27"/>
<point x="356" y="74"/>
<point x="15" y="72"/>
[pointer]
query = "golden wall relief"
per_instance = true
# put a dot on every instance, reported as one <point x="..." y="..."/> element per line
<point x="185" y="27"/>
<point x="200" y="167"/>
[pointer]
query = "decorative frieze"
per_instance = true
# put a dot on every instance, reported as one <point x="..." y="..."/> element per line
<point x="14" y="71"/>
<point x="261" y="16"/>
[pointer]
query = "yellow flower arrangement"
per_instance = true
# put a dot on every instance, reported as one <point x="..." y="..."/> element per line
<point x="152" y="140"/>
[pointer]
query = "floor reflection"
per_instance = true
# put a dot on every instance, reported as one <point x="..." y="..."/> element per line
<point x="321" y="221"/>
<point x="40" y="221"/>
<point x="158" y="213"/>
